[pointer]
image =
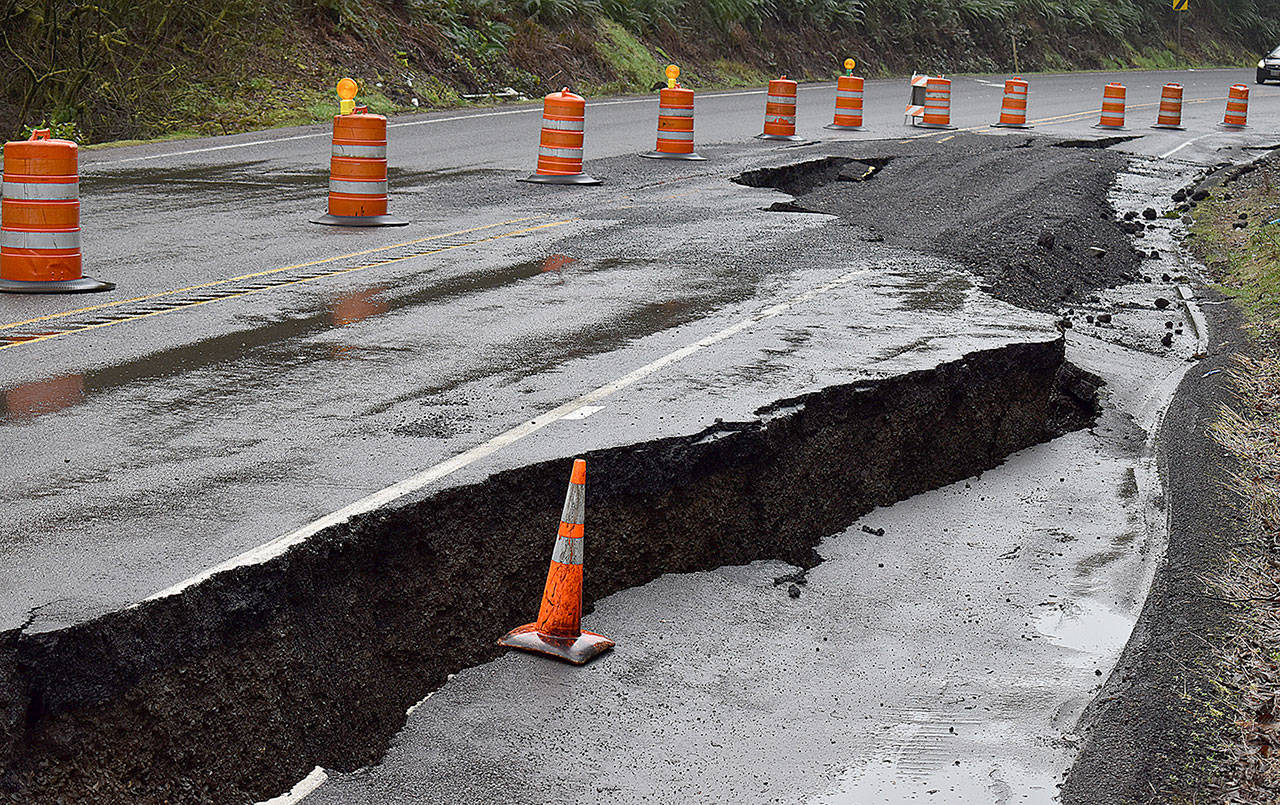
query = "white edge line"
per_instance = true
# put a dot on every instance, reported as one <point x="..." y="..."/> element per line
<point x="407" y="123"/>
<point x="414" y="483"/>
<point x="1197" y="320"/>
<point x="1173" y="151"/>
<point x="307" y="785"/>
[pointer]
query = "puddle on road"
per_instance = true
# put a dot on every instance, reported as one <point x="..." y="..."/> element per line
<point x="238" y="182"/>
<point x="1086" y="626"/>
<point x="30" y="400"/>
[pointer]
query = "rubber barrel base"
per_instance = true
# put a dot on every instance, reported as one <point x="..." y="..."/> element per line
<point x="694" y="157"/>
<point x="924" y="125"/>
<point x="359" y="220"/>
<point x="1109" y="128"/>
<point x="791" y="138"/>
<point x="834" y="127"/>
<point x="82" y="285"/>
<point x="560" y="178"/>
<point x="1011" y="125"/>
<point x="1231" y="127"/>
<point x="584" y="648"/>
<point x="1168" y="128"/>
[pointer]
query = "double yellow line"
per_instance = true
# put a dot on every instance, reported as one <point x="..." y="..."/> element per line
<point x="270" y="272"/>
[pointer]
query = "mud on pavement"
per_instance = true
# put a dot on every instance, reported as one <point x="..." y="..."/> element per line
<point x="237" y="687"/>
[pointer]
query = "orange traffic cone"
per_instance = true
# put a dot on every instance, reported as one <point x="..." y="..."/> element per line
<point x="558" y="630"/>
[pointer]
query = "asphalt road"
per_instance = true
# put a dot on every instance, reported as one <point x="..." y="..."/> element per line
<point x="206" y="407"/>
<point x="150" y="439"/>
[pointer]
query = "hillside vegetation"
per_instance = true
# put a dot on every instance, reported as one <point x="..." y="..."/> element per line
<point x="99" y="70"/>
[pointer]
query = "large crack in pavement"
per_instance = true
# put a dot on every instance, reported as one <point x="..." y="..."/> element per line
<point x="241" y="685"/>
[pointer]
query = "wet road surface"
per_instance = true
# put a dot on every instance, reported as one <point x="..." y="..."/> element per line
<point x="205" y="407"/>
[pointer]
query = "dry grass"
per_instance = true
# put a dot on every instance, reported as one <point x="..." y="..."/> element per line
<point x="1247" y="684"/>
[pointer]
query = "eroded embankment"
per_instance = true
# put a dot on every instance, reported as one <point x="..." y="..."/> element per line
<point x="236" y="688"/>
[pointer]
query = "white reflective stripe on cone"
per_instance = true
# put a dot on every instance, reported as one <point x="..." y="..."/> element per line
<point x="364" y="151"/>
<point x="789" y="100"/>
<point x="675" y="135"/>
<point x="358" y="188"/>
<point x="675" y="111"/>
<point x="574" y="505"/>
<point x="780" y="119"/>
<point x="11" y="239"/>
<point x="848" y="93"/>
<point x="567" y="551"/>
<point x="42" y="191"/>
<point x="571" y="153"/>
<point x="563" y="125"/>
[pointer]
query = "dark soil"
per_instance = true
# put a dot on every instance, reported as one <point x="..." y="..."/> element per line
<point x="979" y="201"/>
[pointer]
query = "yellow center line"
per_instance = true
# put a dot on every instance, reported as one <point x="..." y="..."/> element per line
<point x="334" y="273"/>
<point x="255" y="274"/>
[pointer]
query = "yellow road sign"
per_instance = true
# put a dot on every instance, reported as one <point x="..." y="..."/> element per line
<point x="1181" y="5"/>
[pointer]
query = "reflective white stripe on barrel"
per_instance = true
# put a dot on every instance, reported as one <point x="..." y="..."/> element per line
<point x="567" y="551"/>
<point x="672" y="111"/>
<point x="567" y="153"/>
<point x="358" y="188"/>
<point x="42" y="191"/>
<point x="563" y="125"/>
<point x="780" y="119"/>
<point x="789" y="100"/>
<point x="11" y="239"/>
<point x="363" y="151"/>
<point x="675" y="135"/>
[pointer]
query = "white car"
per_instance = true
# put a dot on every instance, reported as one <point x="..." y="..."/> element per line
<point x="1269" y="66"/>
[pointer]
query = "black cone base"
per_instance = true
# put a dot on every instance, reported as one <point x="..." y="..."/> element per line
<point x="1230" y="127"/>
<point x="787" y="137"/>
<point x="1167" y="127"/>
<point x="359" y="220"/>
<point x="585" y="647"/>
<point x="1011" y="125"/>
<point x="935" y="125"/>
<point x="664" y="155"/>
<point x="1109" y="128"/>
<point x="834" y="127"/>
<point x="82" y="285"/>
<point x="560" y="178"/>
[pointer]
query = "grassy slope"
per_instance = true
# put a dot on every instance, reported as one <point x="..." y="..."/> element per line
<point x="1234" y="754"/>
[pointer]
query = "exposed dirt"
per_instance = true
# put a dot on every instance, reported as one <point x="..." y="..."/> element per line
<point x="237" y="688"/>
<point x="983" y="203"/>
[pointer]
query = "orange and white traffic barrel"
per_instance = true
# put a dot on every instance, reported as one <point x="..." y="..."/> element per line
<point x="915" y="105"/>
<point x="1237" y="114"/>
<point x="1013" y="109"/>
<point x="1170" y="114"/>
<point x="780" y="111"/>
<point x="937" y="104"/>
<point x="40" y="230"/>
<point x="564" y="118"/>
<point x="1112" y="116"/>
<point x="558" y="630"/>
<point x="358" y="166"/>
<point x="675" y="121"/>
<point x="848" y="115"/>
